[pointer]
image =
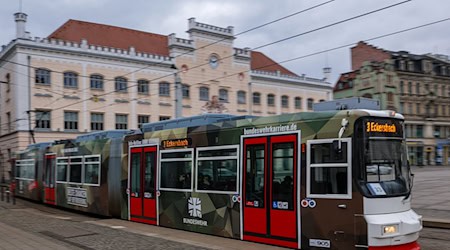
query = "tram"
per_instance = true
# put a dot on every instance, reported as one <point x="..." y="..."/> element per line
<point x="310" y="180"/>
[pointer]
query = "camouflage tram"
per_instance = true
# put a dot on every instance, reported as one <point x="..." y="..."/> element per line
<point x="319" y="180"/>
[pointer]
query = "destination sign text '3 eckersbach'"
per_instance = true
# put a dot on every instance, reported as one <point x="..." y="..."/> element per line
<point x="384" y="128"/>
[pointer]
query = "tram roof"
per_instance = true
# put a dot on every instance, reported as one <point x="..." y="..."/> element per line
<point x="39" y="145"/>
<point x="102" y="135"/>
<point x="192" y="121"/>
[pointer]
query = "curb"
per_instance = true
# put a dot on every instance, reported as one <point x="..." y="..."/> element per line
<point x="436" y="223"/>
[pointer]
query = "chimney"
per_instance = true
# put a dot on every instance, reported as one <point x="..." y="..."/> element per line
<point x="21" y="19"/>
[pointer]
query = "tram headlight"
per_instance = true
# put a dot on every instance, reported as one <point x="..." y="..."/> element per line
<point x="390" y="229"/>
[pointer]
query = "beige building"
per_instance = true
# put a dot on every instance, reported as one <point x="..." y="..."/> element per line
<point x="88" y="77"/>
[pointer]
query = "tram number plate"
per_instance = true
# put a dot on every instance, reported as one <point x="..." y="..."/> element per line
<point x="319" y="243"/>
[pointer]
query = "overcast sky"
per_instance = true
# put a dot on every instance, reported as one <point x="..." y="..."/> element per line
<point x="170" y="16"/>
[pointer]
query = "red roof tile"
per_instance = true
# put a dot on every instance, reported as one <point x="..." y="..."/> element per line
<point x="122" y="38"/>
<point x="112" y="36"/>
<point x="264" y="63"/>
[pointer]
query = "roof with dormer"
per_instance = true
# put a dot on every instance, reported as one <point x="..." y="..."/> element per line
<point x="145" y="42"/>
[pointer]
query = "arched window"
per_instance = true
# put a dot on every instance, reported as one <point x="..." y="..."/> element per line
<point x="120" y="84"/>
<point x="256" y="98"/>
<point x="223" y="95"/>
<point x="204" y="93"/>
<point x="270" y="100"/>
<point x="241" y="97"/>
<point x="310" y="103"/>
<point x="143" y="86"/>
<point x="70" y="80"/>
<point x="42" y="76"/>
<point x="298" y="102"/>
<point x="96" y="81"/>
<point x="284" y="101"/>
<point x="164" y="89"/>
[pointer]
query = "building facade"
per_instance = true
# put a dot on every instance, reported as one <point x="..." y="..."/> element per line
<point x="417" y="86"/>
<point x="88" y="77"/>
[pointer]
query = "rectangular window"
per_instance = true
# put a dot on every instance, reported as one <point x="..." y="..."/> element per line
<point x="96" y="82"/>
<point x="204" y="94"/>
<point x="176" y="169"/>
<point x="328" y="169"/>
<point x="121" y="121"/>
<point x="185" y="91"/>
<point x="283" y="173"/>
<point x="164" y="89"/>
<point x="142" y="119"/>
<point x="25" y="169"/>
<point x="419" y="131"/>
<point x="96" y="121"/>
<point x="217" y="169"/>
<point x="135" y="173"/>
<point x="71" y="120"/>
<point x="241" y="96"/>
<point x="254" y="174"/>
<point x="61" y="169"/>
<point x="143" y="87"/>
<point x="163" y="118"/>
<point x="92" y="169"/>
<point x="70" y="80"/>
<point x="75" y="169"/>
<point x="42" y="76"/>
<point x="43" y="120"/>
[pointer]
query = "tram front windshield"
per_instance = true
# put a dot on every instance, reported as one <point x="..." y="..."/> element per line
<point x="383" y="158"/>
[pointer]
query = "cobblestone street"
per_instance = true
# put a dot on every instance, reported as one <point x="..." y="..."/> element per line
<point x="34" y="229"/>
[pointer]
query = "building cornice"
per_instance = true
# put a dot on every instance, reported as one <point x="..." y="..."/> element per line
<point x="84" y="49"/>
<point x="302" y="81"/>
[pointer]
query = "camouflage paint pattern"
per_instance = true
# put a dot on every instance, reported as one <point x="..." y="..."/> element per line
<point x="222" y="214"/>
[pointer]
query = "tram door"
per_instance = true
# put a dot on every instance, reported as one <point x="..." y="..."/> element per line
<point x="270" y="211"/>
<point x="328" y="211"/>
<point x="49" y="181"/>
<point x="142" y="184"/>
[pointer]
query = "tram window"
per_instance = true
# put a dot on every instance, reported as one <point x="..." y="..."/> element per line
<point x="92" y="170"/>
<point x="25" y="169"/>
<point x="329" y="180"/>
<point x="49" y="179"/>
<point x="325" y="153"/>
<point x="217" y="169"/>
<point x="61" y="169"/>
<point x="135" y="174"/>
<point x="329" y="170"/>
<point x="149" y="183"/>
<point x="283" y="172"/>
<point x="254" y="193"/>
<point x="75" y="169"/>
<point x="176" y="169"/>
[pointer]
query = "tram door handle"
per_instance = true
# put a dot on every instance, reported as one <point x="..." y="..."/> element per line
<point x="343" y="206"/>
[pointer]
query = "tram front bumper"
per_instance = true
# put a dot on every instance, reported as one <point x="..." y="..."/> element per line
<point x="410" y="246"/>
<point x="394" y="231"/>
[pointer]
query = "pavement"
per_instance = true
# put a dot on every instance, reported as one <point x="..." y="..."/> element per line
<point x="431" y="195"/>
<point x="28" y="225"/>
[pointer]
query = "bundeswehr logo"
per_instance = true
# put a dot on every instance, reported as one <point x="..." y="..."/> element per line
<point x="195" y="207"/>
<point x="195" y="210"/>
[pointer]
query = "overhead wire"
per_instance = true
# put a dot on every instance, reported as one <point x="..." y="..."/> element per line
<point x="325" y="51"/>
<point x="265" y="45"/>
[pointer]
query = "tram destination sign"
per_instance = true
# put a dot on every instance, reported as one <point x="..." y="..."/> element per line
<point x="383" y="128"/>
